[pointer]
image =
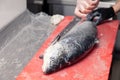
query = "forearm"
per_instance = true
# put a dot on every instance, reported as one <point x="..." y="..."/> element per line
<point x="118" y="0"/>
<point x="116" y="7"/>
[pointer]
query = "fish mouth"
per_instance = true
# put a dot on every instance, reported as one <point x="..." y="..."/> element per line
<point x="50" y="69"/>
<point x="47" y="71"/>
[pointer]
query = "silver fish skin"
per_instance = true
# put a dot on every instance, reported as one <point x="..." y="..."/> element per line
<point x="70" y="48"/>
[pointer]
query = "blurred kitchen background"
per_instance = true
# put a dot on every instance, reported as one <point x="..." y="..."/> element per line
<point x="19" y="38"/>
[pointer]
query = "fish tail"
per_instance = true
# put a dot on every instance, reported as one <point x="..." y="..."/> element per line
<point x="95" y="18"/>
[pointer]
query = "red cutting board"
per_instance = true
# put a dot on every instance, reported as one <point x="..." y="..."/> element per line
<point x="95" y="66"/>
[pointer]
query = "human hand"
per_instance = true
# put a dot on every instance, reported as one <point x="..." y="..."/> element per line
<point x="83" y="7"/>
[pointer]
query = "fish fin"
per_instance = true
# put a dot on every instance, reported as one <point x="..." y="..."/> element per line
<point x="97" y="41"/>
<point x="41" y="56"/>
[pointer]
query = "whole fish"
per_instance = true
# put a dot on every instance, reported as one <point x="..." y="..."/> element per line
<point x="71" y="47"/>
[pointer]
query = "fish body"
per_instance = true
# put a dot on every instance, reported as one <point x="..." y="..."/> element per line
<point x="71" y="47"/>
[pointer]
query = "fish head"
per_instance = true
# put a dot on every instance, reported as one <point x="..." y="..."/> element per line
<point x="53" y="58"/>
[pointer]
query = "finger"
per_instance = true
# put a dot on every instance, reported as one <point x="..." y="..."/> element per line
<point x="86" y="7"/>
<point x="86" y="11"/>
<point x="91" y="7"/>
<point x="85" y="4"/>
<point x="79" y="13"/>
<point x="93" y="2"/>
<point x="81" y="8"/>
